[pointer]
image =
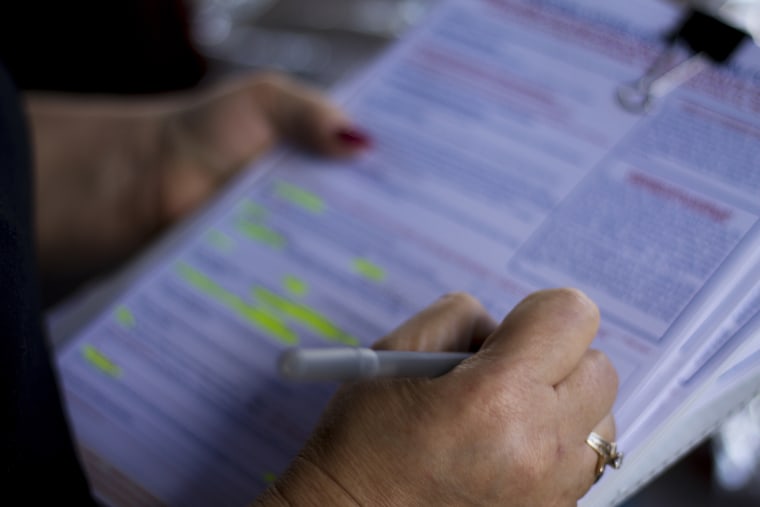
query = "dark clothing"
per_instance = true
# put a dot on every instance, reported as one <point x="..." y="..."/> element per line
<point x="116" y="46"/>
<point x="113" y="46"/>
<point x="39" y="461"/>
<point x="91" y="46"/>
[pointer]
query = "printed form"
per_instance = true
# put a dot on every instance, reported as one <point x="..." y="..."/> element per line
<point x="501" y="164"/>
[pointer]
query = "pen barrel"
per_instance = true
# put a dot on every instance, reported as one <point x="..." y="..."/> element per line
<point x="339" y="364"/>
<point x="342" y="364"/>
<point x="417" y="364"/>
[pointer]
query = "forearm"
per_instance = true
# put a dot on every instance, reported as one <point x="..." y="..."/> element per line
<point x="94" y="192"/>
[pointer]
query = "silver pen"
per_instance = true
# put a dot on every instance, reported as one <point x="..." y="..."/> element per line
<point x="348" y="363"/>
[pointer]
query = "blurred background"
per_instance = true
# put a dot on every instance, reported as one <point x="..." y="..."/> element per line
<point x="321" y="42"/>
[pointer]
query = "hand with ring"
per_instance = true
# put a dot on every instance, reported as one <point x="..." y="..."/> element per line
<point x="508" y="426"/>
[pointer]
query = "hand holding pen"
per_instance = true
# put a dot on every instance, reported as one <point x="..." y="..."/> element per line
<point x="507" y="425"/>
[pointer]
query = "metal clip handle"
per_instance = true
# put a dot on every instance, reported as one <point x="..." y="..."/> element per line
<point x="672" y="68"/>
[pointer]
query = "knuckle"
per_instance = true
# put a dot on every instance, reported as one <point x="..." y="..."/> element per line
<point x="462" y="300"/>
<point x="273" y="89"/>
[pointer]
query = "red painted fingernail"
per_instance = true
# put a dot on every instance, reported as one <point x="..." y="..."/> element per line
<point x="353" y="137"/>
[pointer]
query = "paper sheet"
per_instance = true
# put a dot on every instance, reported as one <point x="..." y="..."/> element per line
<point x="501" y="165"/>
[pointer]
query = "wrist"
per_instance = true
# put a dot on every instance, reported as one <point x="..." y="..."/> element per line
<point x="305" y="484"/>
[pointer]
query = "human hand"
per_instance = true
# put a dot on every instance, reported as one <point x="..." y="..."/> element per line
<point x="506" y="427"/>
<point x="110" y="172"/>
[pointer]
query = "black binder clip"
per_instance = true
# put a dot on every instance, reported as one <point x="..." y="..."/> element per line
<point x="698" y="40"/>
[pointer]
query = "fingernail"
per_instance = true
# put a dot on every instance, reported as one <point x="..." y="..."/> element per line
<point x="353" y="137"/>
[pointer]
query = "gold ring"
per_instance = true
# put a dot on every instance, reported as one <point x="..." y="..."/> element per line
<point x="608" y="454"/>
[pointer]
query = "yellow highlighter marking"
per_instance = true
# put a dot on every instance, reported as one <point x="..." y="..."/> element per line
<point x="300" y="197"/>
<point x="261" y="233"/>
<point x="295" y="285"/>
<point x="305" y="316"/>
<point x="100" y="361"/>
<point x="252" y="210"/>
<point x="369" y="270"/>
<point x="125" y="317"/>
<point x="259" y="317"/>
<point x="220" y="240"/>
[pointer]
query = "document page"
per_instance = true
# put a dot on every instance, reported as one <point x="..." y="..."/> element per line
<point x="713" y="384"/>
<point x="501" y="164"/>
<point x="703" y="366"/>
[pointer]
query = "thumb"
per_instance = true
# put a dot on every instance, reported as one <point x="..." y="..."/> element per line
<point x="456" y="322"/>
<point x="306" y="117"/>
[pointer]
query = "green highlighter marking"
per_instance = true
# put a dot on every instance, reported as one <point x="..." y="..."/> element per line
<point x="305" y="316"/>
<point x="125" y="317"/>
<point x="369" y="270"/>
<point x="300" y="197"/>
<point x="261" y="233"/>
<point x="260" y="318"/>
<point x="295" y="285"/>
<point x="100" y="361"/>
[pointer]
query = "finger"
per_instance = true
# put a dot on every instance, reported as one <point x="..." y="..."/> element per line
<point x="585" y="472"/>
<point x="306" y="117"/>
<point x="588" y="393"/>
<point x="544" y="337"/>
<point x="450" y="324"/>
<point x="606" y="428"/>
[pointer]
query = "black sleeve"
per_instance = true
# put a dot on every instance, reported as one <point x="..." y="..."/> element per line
<point x="39" y="460"/>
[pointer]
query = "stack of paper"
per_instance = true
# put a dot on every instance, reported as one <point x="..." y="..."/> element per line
<point x="502" y="164"/>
